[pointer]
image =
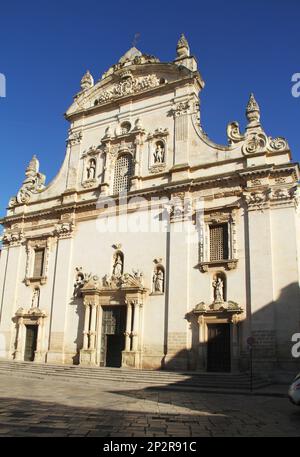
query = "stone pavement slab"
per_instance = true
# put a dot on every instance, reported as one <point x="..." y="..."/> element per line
<point x="47" y="407"/>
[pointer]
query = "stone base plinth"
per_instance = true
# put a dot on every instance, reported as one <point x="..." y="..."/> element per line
<point x="175" y="362"/>
<point x="152" y="362"/>
<point x="87" y="357"/>
<point x="39" y="357"/>
<point x="131" y="359"/>
<point x="18" y="356"/>
<point x="54" y="357"/>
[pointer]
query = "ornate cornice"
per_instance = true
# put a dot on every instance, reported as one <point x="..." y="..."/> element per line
<point x="237" y="178"/>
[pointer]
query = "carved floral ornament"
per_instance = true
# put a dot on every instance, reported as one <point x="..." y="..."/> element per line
<point x="125" y="280"/>
<point x="74" y="137"/>
<point x="132" y="57"/>
<point x="64" y="229"/>
<point x="259" y="198"/>
<point x="13" y="238"/>
<point x="128" y="86"/>
<point x="254" y="140"/>
<point x="30" y="313"/>
<point x="181" y="108"/>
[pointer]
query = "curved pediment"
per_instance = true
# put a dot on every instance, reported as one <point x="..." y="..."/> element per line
<point x="123" y="80"/>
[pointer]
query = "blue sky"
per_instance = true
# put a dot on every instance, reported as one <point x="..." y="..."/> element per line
<point x="46" y="46"/>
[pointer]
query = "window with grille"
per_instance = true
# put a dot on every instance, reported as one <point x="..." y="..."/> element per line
<point x="38" y="267"/>
<point x="218" y="235"/>
<point x="123" y="172"/>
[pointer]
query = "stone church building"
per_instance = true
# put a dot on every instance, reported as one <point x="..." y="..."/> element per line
<point x="154" y="247"/>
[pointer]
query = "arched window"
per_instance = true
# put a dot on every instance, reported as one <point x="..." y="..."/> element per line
<point x="123" y="172"/>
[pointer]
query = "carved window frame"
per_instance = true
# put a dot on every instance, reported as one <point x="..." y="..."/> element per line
<point x="217" y="218"/>
<point x="31" y="246"/>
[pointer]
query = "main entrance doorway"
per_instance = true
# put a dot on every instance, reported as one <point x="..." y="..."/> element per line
<point x="112" y="335"/>
<point x="218" y="347"/>
<point x="31" y="342"/>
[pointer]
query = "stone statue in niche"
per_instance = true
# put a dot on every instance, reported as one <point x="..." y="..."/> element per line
<point x="91" y="170"/>
<point x="118" y="266"/>
<point x="158" y="280"/>
<point x="35" y="298"/>
<point x="218" y="286"/>
<point x="159" y="153"/>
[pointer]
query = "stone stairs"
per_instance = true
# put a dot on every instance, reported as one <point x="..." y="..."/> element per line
<point x="222" y="381"/>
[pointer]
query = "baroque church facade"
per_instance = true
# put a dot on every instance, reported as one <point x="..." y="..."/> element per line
<point x="154" y="247"/>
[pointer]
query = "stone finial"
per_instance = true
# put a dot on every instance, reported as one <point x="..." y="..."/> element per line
<point x="33" y="166"/>
<point x="182" y="48"/>
<point x="253" y="112"/>
<point x="87" y="81"/>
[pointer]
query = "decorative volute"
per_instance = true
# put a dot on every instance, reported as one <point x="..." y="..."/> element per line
<point x="254" y="140"/>
<point x="32" y="184"/>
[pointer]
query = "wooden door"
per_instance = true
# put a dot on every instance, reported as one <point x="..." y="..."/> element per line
<point x="112" y="335"/>
<point x="218" y="347"/>
<point x="31" y="341"/>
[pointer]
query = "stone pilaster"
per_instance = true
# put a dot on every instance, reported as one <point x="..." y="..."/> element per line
<point x="74" y="147"/>
<point x="178" y="296"/>
<point x="60" y="300"/>
<point x="10" y="276"/>
<point x="261" y="288"/>
<point x="128" y="327"/>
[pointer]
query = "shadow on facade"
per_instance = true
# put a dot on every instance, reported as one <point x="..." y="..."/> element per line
<point x="272" y="328"/>
<point x="77" y="303"/>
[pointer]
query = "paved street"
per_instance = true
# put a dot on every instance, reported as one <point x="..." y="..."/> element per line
<point x="51" y="407"/>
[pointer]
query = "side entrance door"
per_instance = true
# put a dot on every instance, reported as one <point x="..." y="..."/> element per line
<point x="218" y="347"/>
<point x="31" y="341"/>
